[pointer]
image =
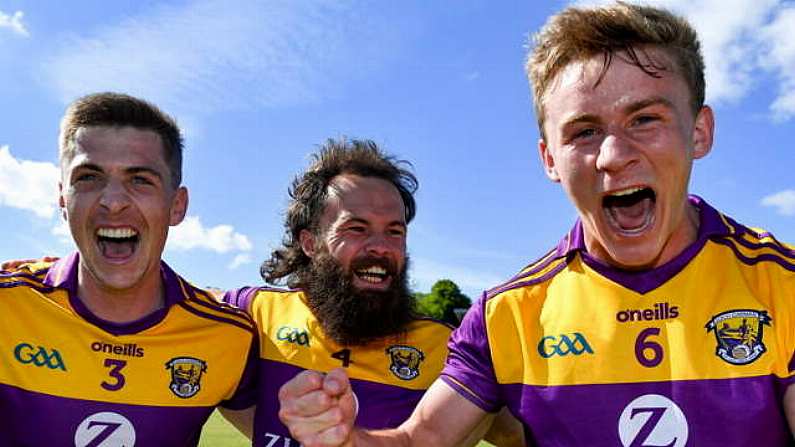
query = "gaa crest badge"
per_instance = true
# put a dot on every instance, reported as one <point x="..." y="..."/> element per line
<point x="739" y="335"/>
<point x="405" y="361"/>
<point x="186" y="375"/>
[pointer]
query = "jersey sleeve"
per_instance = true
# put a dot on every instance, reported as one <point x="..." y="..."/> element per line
<point x="469" y="369"/>
<point x="240" y="298"/>
<point x="246" y="393"/>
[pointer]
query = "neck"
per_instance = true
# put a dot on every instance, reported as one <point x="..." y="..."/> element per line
<point x="120" y="305"/>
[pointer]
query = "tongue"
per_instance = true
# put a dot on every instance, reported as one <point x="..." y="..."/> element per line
<point x="631" y="216"/>
<point x="117" y="250"/>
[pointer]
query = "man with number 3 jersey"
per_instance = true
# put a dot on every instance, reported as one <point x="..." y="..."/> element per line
<point x="656" y="320"/>
<point x="109" y="346"/>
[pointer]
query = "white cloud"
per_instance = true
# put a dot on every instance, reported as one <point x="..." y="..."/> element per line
<point x="28" y="185"/>
<point x="783" y="201"/>
<point x="739" y="39"/>
<point x="210" y="54"/>
<point x="781" y="59"/>
<point x="61" y="231"/>
<point x="191" y="234"/>
<point x="241" y="259"/>
<point x="14" y="23"/>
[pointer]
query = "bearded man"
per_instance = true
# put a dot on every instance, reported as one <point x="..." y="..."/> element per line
<point x="347" y="303"/>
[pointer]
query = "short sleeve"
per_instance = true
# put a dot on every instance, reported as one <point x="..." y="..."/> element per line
<point x="246" y="393"/>
<point x="469" y="369"/>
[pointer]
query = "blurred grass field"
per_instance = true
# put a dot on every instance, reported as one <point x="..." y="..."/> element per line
<point x="219" y="433"/>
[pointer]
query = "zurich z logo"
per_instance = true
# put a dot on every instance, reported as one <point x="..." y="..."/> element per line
<point x="563" y="345"/>
<point x="39" y="356"/>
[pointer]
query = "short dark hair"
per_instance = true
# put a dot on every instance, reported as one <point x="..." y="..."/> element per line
<point x="576" y="34"/>
<point x="118" y="109"/>
<point x="309" y="191"/>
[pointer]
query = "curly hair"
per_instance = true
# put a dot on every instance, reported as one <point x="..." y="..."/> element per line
<point x="576" y="34"/>
<point x="309" y="190"/>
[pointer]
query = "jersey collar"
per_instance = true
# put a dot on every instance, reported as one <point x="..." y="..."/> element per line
<point x="63" y="275"/>
<point x="711" y="224"/>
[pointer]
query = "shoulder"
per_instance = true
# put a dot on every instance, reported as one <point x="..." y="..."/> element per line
<point x="205" y="305"/>
<point x="428" y="325"/>
<point x="536" y="274"/>
<point x="30" y="276"/>
<point x="755" y="246"/>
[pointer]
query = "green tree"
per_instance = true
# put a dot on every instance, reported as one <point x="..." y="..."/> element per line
<point x="442" y="302"/>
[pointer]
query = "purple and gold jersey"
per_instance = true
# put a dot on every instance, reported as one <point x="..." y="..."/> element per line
<point x="388" y="377"/>
<point x="70" y="378"/>
<point x="697" y="352"/>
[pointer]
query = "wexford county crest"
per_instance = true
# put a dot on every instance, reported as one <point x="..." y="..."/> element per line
<point x="186" y="374"/>
<point x="405" y="361"/>
<point x="739" y="334"/>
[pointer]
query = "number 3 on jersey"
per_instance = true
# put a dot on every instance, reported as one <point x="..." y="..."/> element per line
<point x="343" y="356"/>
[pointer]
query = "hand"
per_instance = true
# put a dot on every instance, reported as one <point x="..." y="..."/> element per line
<point x="319" y="409"/>
<point x="14" y="264"/>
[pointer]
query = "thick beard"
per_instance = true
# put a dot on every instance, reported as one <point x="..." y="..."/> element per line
<point x="354" y="317"/>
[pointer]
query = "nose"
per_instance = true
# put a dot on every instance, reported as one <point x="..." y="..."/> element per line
<point x="114" y="197"/>
<point x="615" y="153"/>
<point x="379" y="244"/>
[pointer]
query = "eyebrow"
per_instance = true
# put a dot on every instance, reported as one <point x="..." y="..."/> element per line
<point x="648" y="102"/>
<point x="144" y="170"/>
<point x="359" y="220"/>
<point x="130" y="170"/>
<point x="629" y="109"/>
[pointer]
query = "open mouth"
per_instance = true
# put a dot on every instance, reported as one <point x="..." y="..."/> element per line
<point x="631" y="211"/>
<point x="373" y="274"/>
<point x="117" y="243"/>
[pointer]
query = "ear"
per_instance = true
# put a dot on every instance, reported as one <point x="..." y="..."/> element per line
<point x="61" y="200"/>
<point x="179" y="206"/>
<point x="703" y="132"/>
<point x="307" y="241"/>
<point x="547" y="160"/>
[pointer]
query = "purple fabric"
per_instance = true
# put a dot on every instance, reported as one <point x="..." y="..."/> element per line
<point x="728" y="412"/>
<point x="33" y="419"/>
<point x="469" y="361"/>
<point x="240" y="298"/>
<point x="647" y="280"/>
<point x="380" y="405"/>
<point x="63" y="274"/>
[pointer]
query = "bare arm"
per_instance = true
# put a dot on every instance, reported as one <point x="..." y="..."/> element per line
<point x="443" y="418"/>
<point x="506" y="430"/>
<point x="789" y="407"/>
<point x="243" y="420"/>
<point x="319" y="411"/>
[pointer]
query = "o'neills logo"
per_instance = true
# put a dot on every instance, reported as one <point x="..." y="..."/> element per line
<point x="127" y="350"/>
<point x="660" y="311"/>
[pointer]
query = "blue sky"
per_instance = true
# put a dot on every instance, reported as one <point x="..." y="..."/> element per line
<point x="256" y="85"/>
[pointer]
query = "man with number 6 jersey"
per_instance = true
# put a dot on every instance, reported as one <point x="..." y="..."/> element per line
<point x="348" y="304"/>
<point x="108" y="346"/>
<point x="656" y="320"/>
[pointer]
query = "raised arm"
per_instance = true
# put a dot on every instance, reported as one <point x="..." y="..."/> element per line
<point x="319" y="411"/>
<point x="789" y="407"/>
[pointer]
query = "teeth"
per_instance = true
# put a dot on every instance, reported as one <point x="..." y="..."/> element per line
<point x="116" y="233"/>
<point x="626" y="192"/>
<point x="374" y="270"/>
